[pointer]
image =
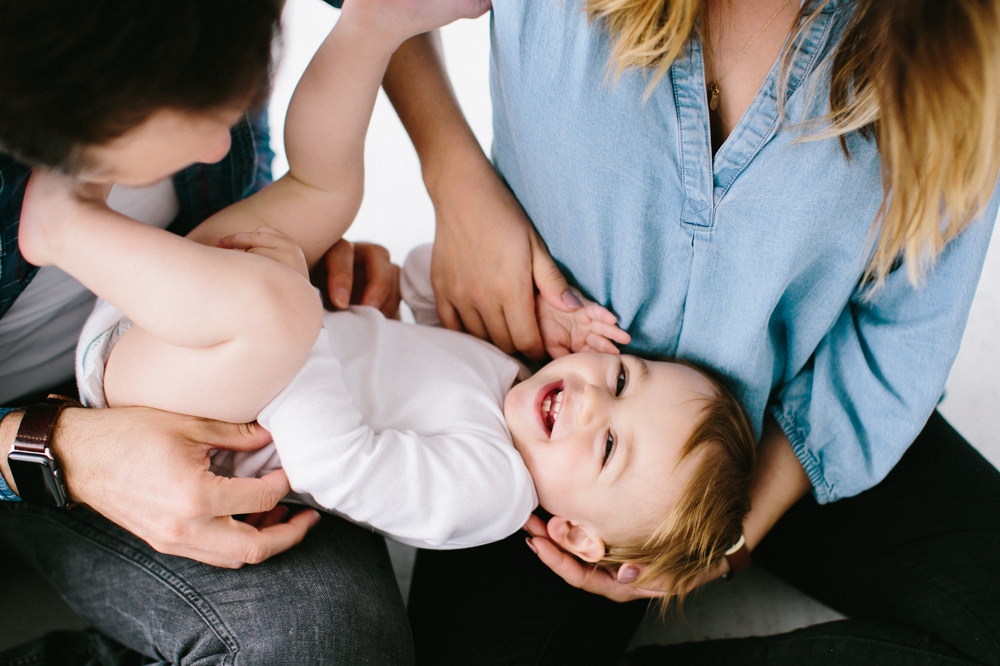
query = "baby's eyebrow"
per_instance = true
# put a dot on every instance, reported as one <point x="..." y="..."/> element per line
<point x="643" y="367"/>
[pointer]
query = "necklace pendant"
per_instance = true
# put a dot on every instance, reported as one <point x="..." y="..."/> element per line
<point x="714" y="94"/>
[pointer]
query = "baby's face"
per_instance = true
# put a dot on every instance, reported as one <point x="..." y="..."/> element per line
<point x="602" y="436"/>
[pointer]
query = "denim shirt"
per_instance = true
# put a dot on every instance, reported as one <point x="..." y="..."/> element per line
<point x="749" y="263"/>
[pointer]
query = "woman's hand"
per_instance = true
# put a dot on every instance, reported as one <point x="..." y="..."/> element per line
<point x="488" y="260"/>
<point x="584" y="576"/>
<point x="148" y="471"/>
<point x="615" y="585"/>
<point x="359" y="274"/>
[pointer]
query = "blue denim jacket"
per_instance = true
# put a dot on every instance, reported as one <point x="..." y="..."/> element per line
<point x="749" y="264"/>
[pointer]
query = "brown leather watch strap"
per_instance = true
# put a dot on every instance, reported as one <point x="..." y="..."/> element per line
<point x="35" y="430"/>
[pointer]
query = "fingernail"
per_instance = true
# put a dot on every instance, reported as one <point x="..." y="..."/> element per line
<point x="627" y="573"/>
<point x="342" y="298"/>
<point x="570" y="299"/>
<point x="531" y="545"/>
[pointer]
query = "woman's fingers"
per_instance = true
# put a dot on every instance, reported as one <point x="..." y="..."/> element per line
<point x="549" y="279"/>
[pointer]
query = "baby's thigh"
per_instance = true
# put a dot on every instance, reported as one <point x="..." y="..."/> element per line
<point x="215" y="382"/>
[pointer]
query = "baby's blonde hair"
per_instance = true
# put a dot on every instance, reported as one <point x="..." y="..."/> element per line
<point x="921" y="77"/>
<point x="708" y="518"/>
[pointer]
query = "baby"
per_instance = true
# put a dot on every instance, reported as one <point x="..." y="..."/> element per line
<point x="418" y="432"/>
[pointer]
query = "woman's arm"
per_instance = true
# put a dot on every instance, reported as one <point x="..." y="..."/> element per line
<point x="488" y="260"/>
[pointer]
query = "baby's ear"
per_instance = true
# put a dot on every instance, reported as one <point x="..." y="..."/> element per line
<point x="578" y="539"/>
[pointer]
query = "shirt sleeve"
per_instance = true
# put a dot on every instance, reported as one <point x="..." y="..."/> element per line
<point x="458" y="489"/>
<point x="877" y="376"/>
<point x="6" y="494"/>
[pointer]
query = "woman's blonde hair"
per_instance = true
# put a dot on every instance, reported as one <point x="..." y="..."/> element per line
<point x="708" y="518"/>
<point x="920" y="77"/>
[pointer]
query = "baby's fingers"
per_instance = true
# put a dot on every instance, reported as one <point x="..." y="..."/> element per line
<point x="611" y="332"/>
<point x="599" y="344"/>
<point x="600" y="313"/>
<point x="266" y="237"/>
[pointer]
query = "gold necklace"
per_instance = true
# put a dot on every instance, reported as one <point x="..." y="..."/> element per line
<point x="713" y="87"/>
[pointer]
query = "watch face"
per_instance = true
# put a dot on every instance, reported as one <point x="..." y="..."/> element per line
<point x="36" y="480"/>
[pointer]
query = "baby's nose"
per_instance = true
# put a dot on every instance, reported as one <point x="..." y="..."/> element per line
<point x="591" y="405"/>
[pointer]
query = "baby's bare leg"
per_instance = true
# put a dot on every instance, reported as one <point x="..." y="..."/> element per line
<point x="217" y="332"/>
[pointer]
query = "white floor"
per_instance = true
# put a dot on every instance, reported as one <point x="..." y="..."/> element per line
<point x="398" y="214"/>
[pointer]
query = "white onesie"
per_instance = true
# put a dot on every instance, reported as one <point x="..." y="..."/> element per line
<point x="395" y="426"/>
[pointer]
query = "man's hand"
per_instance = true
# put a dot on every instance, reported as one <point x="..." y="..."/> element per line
<point x="148" y="471"/>
<point x="359" y="274"/>
<point x="591" y="328"/>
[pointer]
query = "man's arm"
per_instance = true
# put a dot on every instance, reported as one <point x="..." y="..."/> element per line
<point x="147" y="471"/>
<point x="489" y="293"/>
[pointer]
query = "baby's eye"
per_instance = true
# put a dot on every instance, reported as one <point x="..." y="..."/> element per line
<point x="609" y="447"/>
<point x="622" y="379"/>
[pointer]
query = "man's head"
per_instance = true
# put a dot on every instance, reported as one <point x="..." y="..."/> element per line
<point x="125" y="90"/>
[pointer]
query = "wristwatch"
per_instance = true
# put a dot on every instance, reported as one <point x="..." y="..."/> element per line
<point x="35" y="470"/>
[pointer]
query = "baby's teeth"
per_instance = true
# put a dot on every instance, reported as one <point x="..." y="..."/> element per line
<point x="546" y="404"/>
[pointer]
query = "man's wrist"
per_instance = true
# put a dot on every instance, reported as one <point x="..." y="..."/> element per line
<point x="9" y="421"/>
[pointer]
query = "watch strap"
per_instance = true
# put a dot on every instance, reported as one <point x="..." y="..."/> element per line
<point x="34" y="435"/>
<point x="36" y="426"/>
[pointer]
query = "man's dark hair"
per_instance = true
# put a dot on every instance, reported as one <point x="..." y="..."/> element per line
<point x="79" y="72"/>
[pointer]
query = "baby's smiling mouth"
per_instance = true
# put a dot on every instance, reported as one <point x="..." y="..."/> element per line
<point x="551" y="406"/>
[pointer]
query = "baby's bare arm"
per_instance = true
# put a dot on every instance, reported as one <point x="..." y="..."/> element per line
<point x="207" y="320"/>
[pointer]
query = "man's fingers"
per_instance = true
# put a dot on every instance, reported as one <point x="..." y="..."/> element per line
<point x="228" y="538"/>
<point x="232" y="496"/>
<point x="378" y="273"/>
<point x="231" y="436"/>
<point x="339" y="262"/>
<point x="549" y="279"/>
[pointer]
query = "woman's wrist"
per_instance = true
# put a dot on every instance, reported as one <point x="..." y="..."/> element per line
<point x="778" y="482"/>
<point x="449" y="166"/>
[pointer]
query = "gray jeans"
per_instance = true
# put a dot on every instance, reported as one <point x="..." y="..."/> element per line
<point x="330" y="600"/>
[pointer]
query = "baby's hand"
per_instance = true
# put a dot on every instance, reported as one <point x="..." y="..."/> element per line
<point x="271" y="243"/>
<point x="401" y="19"/>
<point x="52" y="201"/>
<point x="590" y="328"/>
